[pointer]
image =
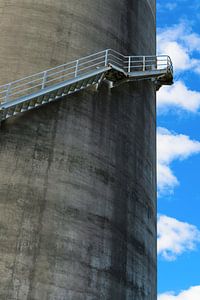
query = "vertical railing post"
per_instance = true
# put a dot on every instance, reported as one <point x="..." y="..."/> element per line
<point x="8" y="92"/>
<point x="76" y="69"/>
<point x="44" y="79"/>
<point x="106" y="57"/>
<point x="144" y="67"/>
<point x="129" y="64"/>
<point x="168" y="63"/>
<point x="156" y="63"/>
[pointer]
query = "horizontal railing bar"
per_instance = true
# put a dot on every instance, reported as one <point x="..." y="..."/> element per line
<point x="95" y="54"/>
<point x="145" y="69"/>
<point x="24" y="84"/>
<point x="134" y="67"/>
<point x="20" y="80"/>
<point x="4" y="85"/>
<point x="3" y="92"/>
<point x="114" y="51"/>
<point x="148" y="64"/>
<point x="4" y="89"/>
<point x="97" y="58"/>
<point x="141" y="59"/>
<point x="51" y="69"/>
<point x="142" y="62"/>
<point x="81" y="69"/>
<point x="116" y="62"/>
<point x="74" y="61"/>
<point x="54" y="79"/>
<point x="114" y="59"/>
<point x="58" y="72"/>
<point x="61" y="66"/>
<point x="110" y="54"/>
<point x="147" y="57"/>
<point x="73" y="67"/>
<point x="21" y="92"/>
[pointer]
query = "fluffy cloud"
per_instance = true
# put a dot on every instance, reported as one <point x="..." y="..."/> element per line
<point x="180" y="43"/>
<point x="175" y="237"/>
<point x="190" y="294"/>
<point x="169" y="5"/>
<point x="178" y="96"/>
<point x="171" y="146"/>
<point x="183" y="46"/>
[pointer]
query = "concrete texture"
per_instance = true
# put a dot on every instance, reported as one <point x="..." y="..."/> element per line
<point x="77" y="184"/>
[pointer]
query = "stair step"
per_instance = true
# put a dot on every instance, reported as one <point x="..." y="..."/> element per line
<point x="32" y="102"/>
<point x="25" y="106"/>
<point x="52" y="95"/>
<point x="45" y="98"/>
<point x="90" y="81"/>
<point x="73" y="87"/>
<point x="66" y="89"/>
<point x="18" y="108"/>
<point x="39" y="100"/>
<point x="85" y="83"/>
<point x="79" y="85"/>
<point x="10" y="111"/>
<point x="60" y="92"/>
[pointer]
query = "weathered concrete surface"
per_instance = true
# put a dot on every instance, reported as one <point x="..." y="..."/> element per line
<point x="77" y="184"/>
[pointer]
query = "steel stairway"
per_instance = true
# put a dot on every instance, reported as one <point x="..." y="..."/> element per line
<point x="44" y="87"/>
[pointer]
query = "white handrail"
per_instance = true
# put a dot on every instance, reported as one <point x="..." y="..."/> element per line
<point x="128" y="64"/>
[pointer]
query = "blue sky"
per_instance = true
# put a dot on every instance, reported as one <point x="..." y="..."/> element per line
<point x="178" y="141"/>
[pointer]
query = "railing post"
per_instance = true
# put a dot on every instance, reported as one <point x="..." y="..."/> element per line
<point x="129" y="64"/>
<point x="155" y="65"/>
<point x="144" y="67"/>
<point x="8" y="92"/>
<point x="168" y="62"/>
<point x="106" y="58"/>
<point x="76" y="70"/>
<point x="44" y="79"/>
<point x="157" y="62"/>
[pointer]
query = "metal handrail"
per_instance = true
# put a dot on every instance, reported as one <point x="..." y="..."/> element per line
<point x="82" y="66"/>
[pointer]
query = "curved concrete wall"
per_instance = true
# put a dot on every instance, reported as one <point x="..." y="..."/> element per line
<point x="77" y="184"/>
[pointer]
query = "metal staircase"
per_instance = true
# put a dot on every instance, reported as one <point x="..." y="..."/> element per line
<point x="44" y="87"/>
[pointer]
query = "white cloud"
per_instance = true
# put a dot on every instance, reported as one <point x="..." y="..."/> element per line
<point x="178" y="95"/>
<point x="193" y="41"/>
<point x="193" y="293"/>
<point x="175" y="237"/>
<point x="169" y="5"/>
<point x="179" y="42"/>
<point x="171" y="146"/>
<point x="183" y="46"/>
<point x="179" y="55"/>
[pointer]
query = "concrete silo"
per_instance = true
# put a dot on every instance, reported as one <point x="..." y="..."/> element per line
<point x="77" y="184"/>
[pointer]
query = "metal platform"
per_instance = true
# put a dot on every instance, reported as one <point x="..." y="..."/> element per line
<point x="50" y="85"/>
